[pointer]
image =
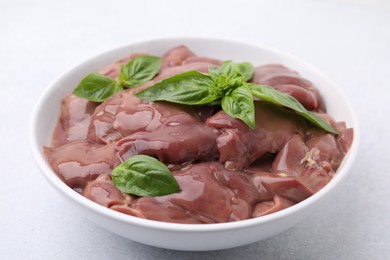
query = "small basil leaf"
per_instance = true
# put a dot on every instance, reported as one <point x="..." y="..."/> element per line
<point x="269" y="94"/>
<point x="246" y="69"/>
<point x="232" y="69"/>
<point x="239" y="104"/>
<point x="143" y="175"/>
<point x="96" y="87"/>
<point x="189" y="88"/>
<point x="229" y="68"/>
<point x="226" y="78"/>
<point x="139" y="70"/>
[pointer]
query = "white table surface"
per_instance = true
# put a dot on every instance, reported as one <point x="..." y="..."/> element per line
<point x="348" y="40"/>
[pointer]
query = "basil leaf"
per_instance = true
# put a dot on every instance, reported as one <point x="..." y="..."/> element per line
<point x="246" y="69"/>
<point x="229" y="68"/>
<point x="318" y="121"/>
<point x="139" y="70"/>
<point x="239" y="104"/>
<point x="143" y="175"/>
<point x="226" y="78"/>
<point x="96" y="87"/>
<point x="269" y="94"/>
<point x="189" y="88"/>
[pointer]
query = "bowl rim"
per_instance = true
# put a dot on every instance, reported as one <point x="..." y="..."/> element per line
<point x="55" y="181"/>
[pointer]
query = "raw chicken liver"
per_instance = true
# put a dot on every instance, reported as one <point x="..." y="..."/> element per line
<point x="226" y="171"/>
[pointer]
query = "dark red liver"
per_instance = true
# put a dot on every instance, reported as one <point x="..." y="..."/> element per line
<point x="226" y="171"/>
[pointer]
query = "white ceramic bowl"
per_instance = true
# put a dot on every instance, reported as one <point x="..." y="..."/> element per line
<point x="189" y="236"/>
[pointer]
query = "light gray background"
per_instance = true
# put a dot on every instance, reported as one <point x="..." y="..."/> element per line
<point x="348" y="40"/>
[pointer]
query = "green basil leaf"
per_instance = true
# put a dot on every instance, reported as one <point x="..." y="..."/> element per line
<point x="189" y="88"/>
<point x="239" y="104"/>
<point x="232" y="69"/>
<point x="229" y="68"/>
<point x="246" y="69"/>
<point x="269" y="94"/>
<point x="96" y="87"/>
<point x="318" y="121"/>
<point x="226" y="78"/>
<point x="139" y="70"/>
<point x="143" y="175"/>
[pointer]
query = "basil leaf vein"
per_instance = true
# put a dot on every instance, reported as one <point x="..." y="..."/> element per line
<point x="143" y="175"/>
